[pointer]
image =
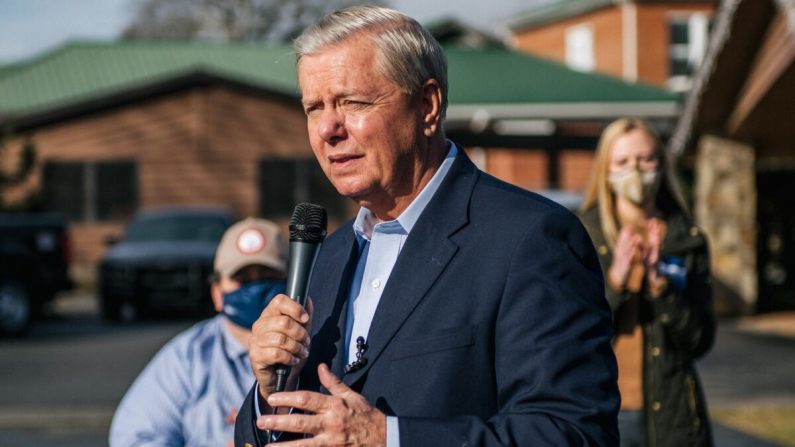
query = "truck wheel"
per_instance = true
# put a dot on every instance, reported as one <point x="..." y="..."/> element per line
<point x="15" y="306"/>
<point x="117" y="311"/>
<point x="111" y="310"/>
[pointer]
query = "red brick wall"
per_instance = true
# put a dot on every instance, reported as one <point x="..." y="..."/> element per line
<point x="652" y="38"/>
<point x="550" y="40"/>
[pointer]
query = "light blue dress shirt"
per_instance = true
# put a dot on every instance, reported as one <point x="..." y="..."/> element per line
<point x="381" y="243"/>
<point x="186" y="394"/>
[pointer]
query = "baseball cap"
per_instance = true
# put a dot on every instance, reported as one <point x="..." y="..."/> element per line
<point x="251" y="241"/>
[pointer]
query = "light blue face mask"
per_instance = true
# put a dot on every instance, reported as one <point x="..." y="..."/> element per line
<point x="244" y="305"/>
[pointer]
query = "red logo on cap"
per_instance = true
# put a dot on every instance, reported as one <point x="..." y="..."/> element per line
<point x="250" y="241"/>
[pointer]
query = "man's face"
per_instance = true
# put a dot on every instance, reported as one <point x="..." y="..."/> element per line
<point x="365" y="132"/>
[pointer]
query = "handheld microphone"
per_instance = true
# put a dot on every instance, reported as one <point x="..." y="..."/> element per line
<point x="307" y="231"/>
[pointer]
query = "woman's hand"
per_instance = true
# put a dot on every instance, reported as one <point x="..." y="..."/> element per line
<point x="655" y="281"/>
<point x="628" y="248"/>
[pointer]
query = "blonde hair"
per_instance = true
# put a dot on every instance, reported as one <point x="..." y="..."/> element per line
<point x="598" y="193"/>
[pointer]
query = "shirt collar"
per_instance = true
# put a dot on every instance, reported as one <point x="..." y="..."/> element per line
<point x="233" y="347"/>
<point x="366" y="222"/>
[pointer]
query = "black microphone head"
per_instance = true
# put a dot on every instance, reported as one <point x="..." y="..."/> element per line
<point x="308" y="223"/>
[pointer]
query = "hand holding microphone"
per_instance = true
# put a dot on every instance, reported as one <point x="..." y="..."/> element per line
<point x="280" y="337"/>
<point x="281" y="341"/>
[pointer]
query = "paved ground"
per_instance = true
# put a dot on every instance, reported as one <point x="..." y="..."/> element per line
<point x="780" y="324"/>
<point x="59" y="385"/>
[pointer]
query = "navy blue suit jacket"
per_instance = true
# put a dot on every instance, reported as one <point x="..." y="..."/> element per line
<point x="492" y="329"/>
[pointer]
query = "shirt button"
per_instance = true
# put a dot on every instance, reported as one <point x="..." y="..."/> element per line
<point x="376" y="283"/>
<point x="656" y="406"/>
<point x="655" y="351"/>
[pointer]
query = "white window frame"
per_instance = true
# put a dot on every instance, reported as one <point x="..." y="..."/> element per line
<point x="693" y="51"/>
<point x="580" y="47"/>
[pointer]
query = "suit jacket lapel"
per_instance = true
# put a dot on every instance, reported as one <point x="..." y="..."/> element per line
<point x="427" y="252"/>
<point x="332" y="302"/>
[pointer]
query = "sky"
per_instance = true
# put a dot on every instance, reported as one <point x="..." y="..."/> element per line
<point x="30" y="27"/>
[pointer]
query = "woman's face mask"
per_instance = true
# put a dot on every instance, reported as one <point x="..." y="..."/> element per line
<point x="635" y="185"/>
<point x="244" y="305"/>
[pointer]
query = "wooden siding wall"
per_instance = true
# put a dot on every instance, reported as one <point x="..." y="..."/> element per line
<point x="199" y="146"/>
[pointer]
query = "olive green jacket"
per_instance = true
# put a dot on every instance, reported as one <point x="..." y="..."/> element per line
<point x="678" y="328"/>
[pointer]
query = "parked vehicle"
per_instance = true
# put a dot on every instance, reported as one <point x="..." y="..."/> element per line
<point x="34" y="260"/>
<point x="162" y="263"/>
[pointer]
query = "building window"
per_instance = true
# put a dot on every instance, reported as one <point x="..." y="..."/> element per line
<point x="91" y="191"/>
<point x="284" y="183"/>
<point x="579" y="48"/>
<point x="687" y="45"/>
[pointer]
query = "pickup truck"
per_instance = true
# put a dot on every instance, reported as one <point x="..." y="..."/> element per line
<point x="162" y="264"/>
<point x="34" y="258"/>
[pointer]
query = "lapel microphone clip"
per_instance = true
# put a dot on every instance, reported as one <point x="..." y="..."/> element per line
<point x="361" y="360"/>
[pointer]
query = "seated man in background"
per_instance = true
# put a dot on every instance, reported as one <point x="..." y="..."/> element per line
<point x="189" y="393"/>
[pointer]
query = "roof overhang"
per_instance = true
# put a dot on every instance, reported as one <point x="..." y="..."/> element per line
<point x="534" y="118"/>
<point x="107" y="101"/>
<point x="740" y="28"/>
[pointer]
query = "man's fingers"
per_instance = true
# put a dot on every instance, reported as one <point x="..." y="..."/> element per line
<point x="332" y="382"/>
<point x="265" y="328"/>
<point x="309" y="308"/>
<point x="303" y="400"/>
<point x="281" y="304"/>
<point x="278" y="340"/>
<point x="291" y="423"/>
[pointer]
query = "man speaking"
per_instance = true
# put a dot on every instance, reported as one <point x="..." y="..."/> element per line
<point x="455" y="309"/>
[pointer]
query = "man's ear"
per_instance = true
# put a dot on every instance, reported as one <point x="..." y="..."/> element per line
<point x="218" y="297"/>
<point x="431" y="97"/>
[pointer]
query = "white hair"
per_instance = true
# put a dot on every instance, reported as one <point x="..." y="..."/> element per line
<point x="408" y="54"/>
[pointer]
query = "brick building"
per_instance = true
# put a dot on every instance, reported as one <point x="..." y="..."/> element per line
<point x="659" y="42"/>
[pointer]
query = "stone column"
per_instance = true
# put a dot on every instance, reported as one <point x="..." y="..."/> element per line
<point x="725" y="208"/>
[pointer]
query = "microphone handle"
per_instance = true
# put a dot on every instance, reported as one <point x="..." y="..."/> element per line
<point x="302" y="261"/>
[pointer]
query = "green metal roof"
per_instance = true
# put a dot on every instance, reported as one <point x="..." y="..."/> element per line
<point x="8" y="69"/>
<point x="87" y="71"/>
<point x="504" y="76"/>
<point x="83" y="71"/>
